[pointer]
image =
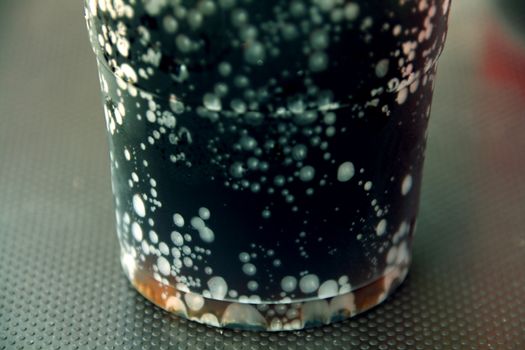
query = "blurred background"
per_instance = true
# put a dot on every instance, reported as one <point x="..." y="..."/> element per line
<point x="60" y="280"/>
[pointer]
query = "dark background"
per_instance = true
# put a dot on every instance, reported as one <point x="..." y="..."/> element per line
<point x="61" y="286"/>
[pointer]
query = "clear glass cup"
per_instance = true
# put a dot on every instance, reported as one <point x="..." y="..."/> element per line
<point x="266" y="156"/>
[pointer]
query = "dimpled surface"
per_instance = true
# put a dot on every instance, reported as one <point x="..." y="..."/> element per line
<point x="61" y="284"/>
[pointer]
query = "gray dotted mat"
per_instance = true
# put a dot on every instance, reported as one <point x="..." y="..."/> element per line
<point x="61" y="285"/>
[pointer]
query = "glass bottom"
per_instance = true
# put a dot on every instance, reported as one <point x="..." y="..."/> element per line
<point x="264" y="316"/>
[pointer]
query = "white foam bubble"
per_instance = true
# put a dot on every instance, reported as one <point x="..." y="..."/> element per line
<point x="204" y="213"/>
<point x="318" y="61"/>
<point x="218" y="287"/>
<point x="351" y="11"/>
<point x="138" y="206"/>
<point x="178" y="220"/>
<point x="206" y="234"/>
<point x="210" y="319"/>
<point x="249" y="269"/>
<point x="309" y="283"/>
<point x="381" y="227"/>
<point x="406" y="186"/>
<point x="307" y="173"/>
<point x="402" y="96"/>
<point x="328" y="289"/>
<point x="382" y="68"/>
<point x="255" y="53"/>
<point x="244" y="314"/>
<point x="252" y="285"/>
<point x="136" y="230"/>
<point x="289" y="283"/>
<point x="164" y="249"/>
<point x="212" y="102"/>
<point x="153" y="237"/>
<point x="177" y="238"/>
<point x="164" y="266"/>
<point x="244" y="257"/>
<point x="345" y="172"/>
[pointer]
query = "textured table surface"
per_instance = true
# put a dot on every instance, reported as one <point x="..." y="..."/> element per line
<point x="61" y="285"/>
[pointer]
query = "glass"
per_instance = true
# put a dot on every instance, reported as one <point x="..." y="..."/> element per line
<point x="266" y="156"/>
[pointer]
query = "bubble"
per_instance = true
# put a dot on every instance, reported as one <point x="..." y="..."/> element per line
<point x="345" y="172"/>
<point x="391" y="255"/>
<point x="248" y="143"/>
<point x="163" y="247"/>
<point x="178" y="220"/>
<point x="330" y="118"/>
<point x="406" y="186"/>
<point x="289" y="31"/>
<point x="351" y="11"/>
<point x="225" y="69"/>
<point x="177" y="238"/>
<point x="150" y="116"/>
<point x="207" y="235"/>
<point x="307" y="173"/>
<point x="288" y="284"/>
<point x="319" y="39"/>
<point x="136" y="230"/>
<point x="299" y="152"/>
<point x="297" y="8"/>
<point x="279" y="180"/>
<point x="153" y="237"/>
<point x="309" y="283"/>
<point x="381" y="227"/>
<point x="253" y="163"/>
<point x="197" y="223"/>
<point x="266" y="213"/>
<point x="138" y="206"/>
<point x="328" y="289"/>
<point x="402" y="96"/>
<point x="343" y="280"/>
<point x="212" y="102"/>
<point x="238" y="105"/>
<point x="249" y="269"/>
<point x="367" y="186"/>
<point x="194" y="301"/>
<point x="187" y="262"/>
<point x="237" y="170"/>
<point x="183" y="43"/>
<point x="239" y="17"/>
<point x="397" y="30"/>
<point x="255" y="53"/>
<point x="253" y="285"/>
<point x="318" y="61"/>
<point x="170" y="24"/>
<point x="127" y="155"/>
<point x="204" y="213"/>
<point x="276" y="263"/>
<point x="164" y="266"/>
<point x="176" y="252"/>
<point x="244" y="257"/>
<point x="296" y="105"/>
<point x="382" y="68"/>
<point x="218" y="287"/>
<point x="194" y="18"/>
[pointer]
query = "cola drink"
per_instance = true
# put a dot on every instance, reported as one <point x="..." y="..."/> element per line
<point x="266" y="156"/>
